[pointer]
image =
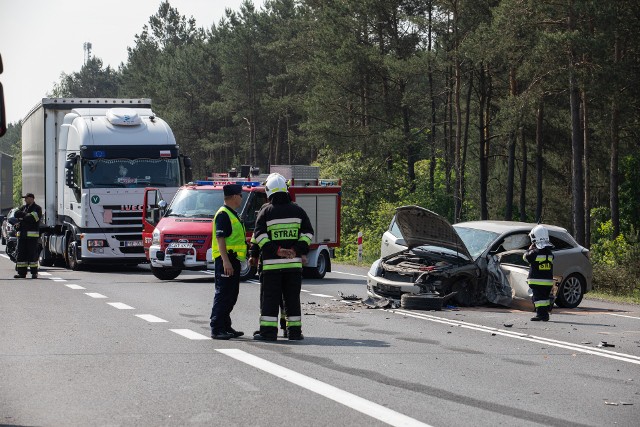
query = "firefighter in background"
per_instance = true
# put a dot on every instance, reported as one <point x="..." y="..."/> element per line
<point x="228" y="248"/>
<point x="283" y="233"/>
<point x="28" y="232"/>
<point x="540" y="279"/>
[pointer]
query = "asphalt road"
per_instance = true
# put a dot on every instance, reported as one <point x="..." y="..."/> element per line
<point x="121" y="348"/>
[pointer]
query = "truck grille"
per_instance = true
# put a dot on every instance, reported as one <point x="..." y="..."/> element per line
<point x="122" y="217"/>
<point x="130" y="243"/>
<point x="198" y="241"/>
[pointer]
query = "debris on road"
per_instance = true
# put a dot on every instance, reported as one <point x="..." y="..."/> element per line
<point x="605" y="344"/>
<point x="508" y="325"/>
<point x="352" y="297"/>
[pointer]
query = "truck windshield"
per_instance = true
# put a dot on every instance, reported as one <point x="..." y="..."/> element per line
<point x="107" y="173"/>
<point x="192" y="203"/>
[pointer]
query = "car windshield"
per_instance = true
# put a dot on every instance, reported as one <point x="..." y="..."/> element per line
<point x="109" y="173"/>
<point x="476" y="241"/>
<point x="192" y="203"/>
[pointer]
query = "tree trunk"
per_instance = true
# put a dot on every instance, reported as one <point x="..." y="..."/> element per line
<point x="523" y="178"/>
<point x="508" y="210"/>
<point x="577" y="146"/>
<point x="432" y="135"/>
<point x="615" y="144"/>
<point x="587" y="173"/>
<point x="539" y="160"/>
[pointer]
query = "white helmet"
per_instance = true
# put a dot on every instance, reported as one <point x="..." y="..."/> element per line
<point x="540" y="237"/>
<point x="275" y="183"/>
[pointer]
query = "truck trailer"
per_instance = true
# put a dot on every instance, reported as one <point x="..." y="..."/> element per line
<point x="178" y="237"/>
<point x="6" y="183"/>
<point x="88" y="162"/>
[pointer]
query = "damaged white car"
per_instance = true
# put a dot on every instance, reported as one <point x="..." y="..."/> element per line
<point x="426" y="262"/>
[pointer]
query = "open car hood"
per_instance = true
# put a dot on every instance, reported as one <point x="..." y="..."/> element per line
<point x="420" y="227"/>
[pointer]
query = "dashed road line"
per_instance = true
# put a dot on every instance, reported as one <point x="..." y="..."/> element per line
<point x="304" y="290"/>
<point x="95" y="295"/>
<point x="151" y="318"/>
<point x="322" y="295"/>
<point x="188" y="333"/>
<point x="379" y="412"/>
<point x="120" y="305"/>
<point x="349" y="274"/>
<point x="75" y="287"/>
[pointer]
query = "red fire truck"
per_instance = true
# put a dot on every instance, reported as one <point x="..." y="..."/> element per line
<point x="178" y="236"/>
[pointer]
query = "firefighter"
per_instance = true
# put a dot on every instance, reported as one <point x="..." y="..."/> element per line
<point x="28" y="231"/>
<point x="540" y="279"/>
<point x="283" y="233"/>
<point x="229" y="247"/>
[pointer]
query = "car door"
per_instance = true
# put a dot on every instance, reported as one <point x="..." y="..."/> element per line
<point x="392" y="241"/>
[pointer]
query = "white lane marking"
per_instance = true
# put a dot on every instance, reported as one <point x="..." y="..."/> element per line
<point x="622" y="315"/>
<point x="630" y="358"/>
<point x="74" y="287"/>
<point x="120" y="305"/>
<point x="44" y="273"/>
<point x="58" y="280"/>
<point x="188" y="333"/>
<point x="349" y="274"/>
<point x="350" y="400"/>
<point x="4" y="256"/>
<point x="304" y="290"/>
<point x="95" y="295"/>
<point x="322" y="295"/>
<point x="151" y="318"/>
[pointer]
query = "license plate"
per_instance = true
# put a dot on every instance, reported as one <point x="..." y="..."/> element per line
<point x="180" y="245"/>
<point x="133" y="243"/>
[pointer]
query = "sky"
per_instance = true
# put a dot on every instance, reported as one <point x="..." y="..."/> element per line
<point x="41" y="39"/>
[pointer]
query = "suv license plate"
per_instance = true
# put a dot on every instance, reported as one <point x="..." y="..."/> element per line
<point x="133" y="243"/>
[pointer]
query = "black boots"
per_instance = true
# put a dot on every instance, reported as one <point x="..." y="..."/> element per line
<point x="542" y="314"/>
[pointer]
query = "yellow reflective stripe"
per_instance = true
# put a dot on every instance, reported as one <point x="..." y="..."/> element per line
<point x="265" y="323"/>
<point x="281" y="260"/>
<point x="33" y="234"/>
<point x="284" y="221"/>
<point x="542" y="303"/>
<point x="22" y="264"/>
<point x="541" y="258"/>
<point x="541" y="282"/>
<point x="35" y="216"/>
<point x="282" y="266"/>
<point x="305" y="239"/>
<point x="294" y="323"/>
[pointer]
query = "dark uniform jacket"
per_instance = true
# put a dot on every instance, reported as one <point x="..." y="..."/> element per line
<point x="284" y="226"/>
<point x="541" y="261"/>
<point x="29" y="225"/>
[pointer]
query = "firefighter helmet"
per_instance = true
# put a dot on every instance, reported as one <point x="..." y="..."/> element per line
<point x="275" y="184"/>
<point x="540" y="236"/>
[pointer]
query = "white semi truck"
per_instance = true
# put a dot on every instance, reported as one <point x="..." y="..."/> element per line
<point x="88" y="162"/>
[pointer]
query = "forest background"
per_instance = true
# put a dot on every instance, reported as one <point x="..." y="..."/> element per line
<point x="476" y="109"/>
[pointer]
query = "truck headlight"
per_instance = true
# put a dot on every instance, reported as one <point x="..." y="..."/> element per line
<point x="155" y="237"/>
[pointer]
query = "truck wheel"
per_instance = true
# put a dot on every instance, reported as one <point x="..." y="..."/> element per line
<point x="46" y="258"/>
<point x="165" y="273"/>
<point x="246" y="271"/>
<point x="73" y="253"/>
<point x="321" y="268"/>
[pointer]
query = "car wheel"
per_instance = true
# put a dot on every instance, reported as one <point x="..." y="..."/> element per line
<point x="165" y="273"/>
<point x="421" y="301"/>
<point x="571" y="291"/>
<point x="246" y="271"/>
<point x="321" y="268"/>
<point x="12" y="250"/>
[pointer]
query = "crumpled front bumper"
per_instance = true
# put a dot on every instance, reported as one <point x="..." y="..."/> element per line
<point x="187" y="259"/>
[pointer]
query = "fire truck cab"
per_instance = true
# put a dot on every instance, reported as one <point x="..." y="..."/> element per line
<point x="178" y="237"/>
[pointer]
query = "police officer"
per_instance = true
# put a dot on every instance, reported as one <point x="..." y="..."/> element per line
<point x="540" y="279"/>
<point x="283" y="233"/>
<point x="229" y="247"/>
<point x="28" y="229"/>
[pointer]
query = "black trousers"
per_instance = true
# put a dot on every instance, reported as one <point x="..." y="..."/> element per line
<point x="27" y="257"/>
<point x="283" y="312"/>
<point x="226" y="295"/>
<point x="276" y="286"/>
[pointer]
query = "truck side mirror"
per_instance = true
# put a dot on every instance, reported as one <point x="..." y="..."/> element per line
<point x="188" y="173"/>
